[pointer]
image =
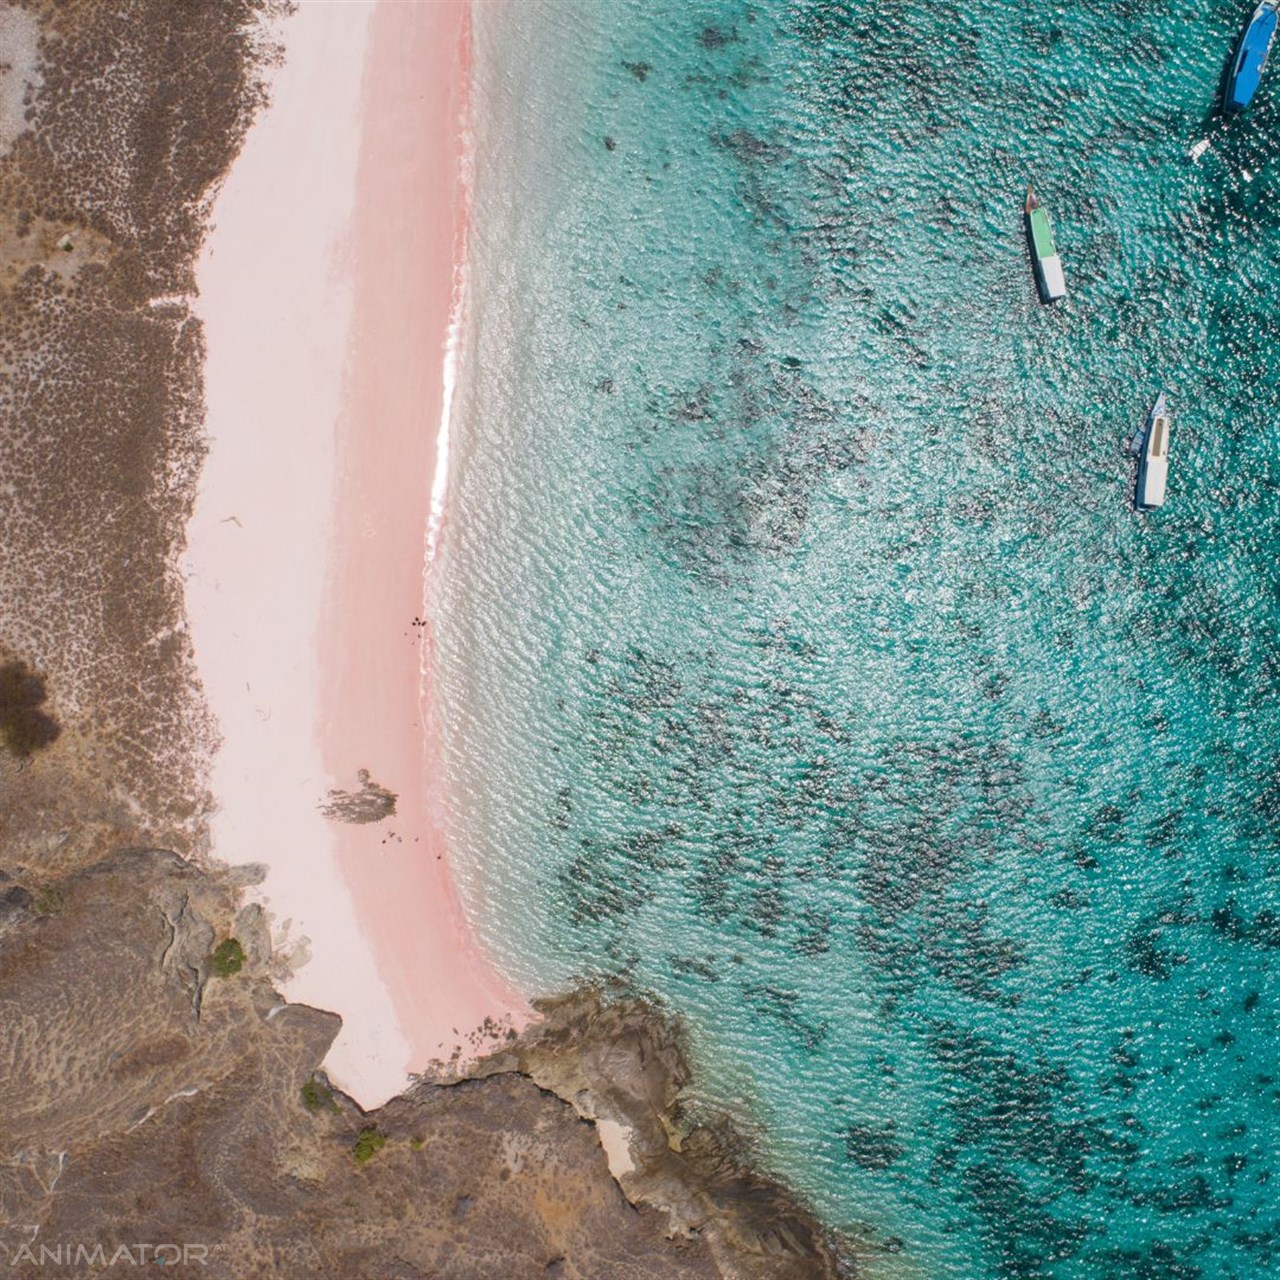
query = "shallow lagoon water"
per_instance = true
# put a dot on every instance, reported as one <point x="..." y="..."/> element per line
<point x="805" y="663"/>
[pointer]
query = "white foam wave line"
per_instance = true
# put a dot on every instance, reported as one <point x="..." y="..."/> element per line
<point x="453" y="341"/>
<point x="449" y="383"/>
<point x="451" y="373"/>
<point x="452" y="358"/>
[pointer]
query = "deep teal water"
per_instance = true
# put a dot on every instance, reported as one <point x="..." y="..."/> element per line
<point x="804" y="661"/>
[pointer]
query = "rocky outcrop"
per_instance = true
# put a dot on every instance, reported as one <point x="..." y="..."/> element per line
<point x="371" y="803"/>
<point x="150" y="1100"/>
<point x="623" y="1064"/>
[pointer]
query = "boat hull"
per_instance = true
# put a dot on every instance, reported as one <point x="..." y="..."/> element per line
<point x="1050" y="278"/>
<point x="1251" y="57"/>
<point x="1153" y="469"/>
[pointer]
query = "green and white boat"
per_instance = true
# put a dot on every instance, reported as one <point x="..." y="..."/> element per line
<point x="1044" y="253"/>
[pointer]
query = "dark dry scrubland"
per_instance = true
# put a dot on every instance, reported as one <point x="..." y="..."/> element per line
<point x="153" y="1085"/>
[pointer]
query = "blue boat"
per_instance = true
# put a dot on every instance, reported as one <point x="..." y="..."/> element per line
<point x="1251" y="57"/>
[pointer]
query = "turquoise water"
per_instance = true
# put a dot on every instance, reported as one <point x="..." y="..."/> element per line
<point x="804" y="660"/>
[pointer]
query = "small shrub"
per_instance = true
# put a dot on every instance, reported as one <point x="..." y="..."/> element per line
<point x="228" y="958"/>
<point x="47" y="900"/>
<point x="368" y="1144"/>
<point x="318" y="1097"/>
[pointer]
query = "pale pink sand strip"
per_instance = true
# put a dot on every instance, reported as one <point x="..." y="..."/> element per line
<point x="409" y="237"/>
<point x="325" y="290"/>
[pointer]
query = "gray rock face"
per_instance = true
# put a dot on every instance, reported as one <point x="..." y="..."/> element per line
<point x="16" y="904"/>
<point x="620" y="1062"/>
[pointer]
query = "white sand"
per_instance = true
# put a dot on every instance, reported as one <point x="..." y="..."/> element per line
<point x="276" y="299"/>
<point x="615" y="1138"/>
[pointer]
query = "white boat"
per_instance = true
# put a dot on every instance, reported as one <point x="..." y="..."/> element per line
<point x="1153" y="468"/>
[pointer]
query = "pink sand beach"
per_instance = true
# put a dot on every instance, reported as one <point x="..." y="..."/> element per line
<point x="331" y="292"/>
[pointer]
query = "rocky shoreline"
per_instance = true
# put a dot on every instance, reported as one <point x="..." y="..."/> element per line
<point x="157" y="1088"/>
<point x="622" y="1063"/>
